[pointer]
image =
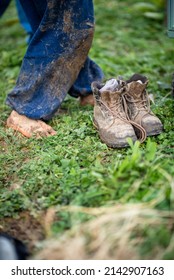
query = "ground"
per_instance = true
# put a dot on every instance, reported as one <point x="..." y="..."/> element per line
<point x="41" y="180"/>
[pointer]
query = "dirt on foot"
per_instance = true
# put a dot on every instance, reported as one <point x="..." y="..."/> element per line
<point x="29" y="127"/>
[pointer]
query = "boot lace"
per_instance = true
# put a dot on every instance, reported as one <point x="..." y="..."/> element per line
<point x="118" y="107"/>
<point x="142" y="105"/>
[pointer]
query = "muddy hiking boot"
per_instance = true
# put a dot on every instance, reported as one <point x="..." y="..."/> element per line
<point x="109" y="115"/>
<point x="137" y="107"/>
<point x="122" y="110"/>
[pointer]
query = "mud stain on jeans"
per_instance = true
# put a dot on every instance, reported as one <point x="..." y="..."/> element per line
<point x="40" y="91"/>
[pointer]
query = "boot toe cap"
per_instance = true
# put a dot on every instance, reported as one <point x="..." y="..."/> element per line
<point x="152" y="125"/>
<point x="116" y="136"/>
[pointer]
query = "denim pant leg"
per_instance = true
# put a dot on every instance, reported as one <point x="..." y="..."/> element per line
<point x="89" y="73"/>
<point x="23" y="19"/>
<point x="55" y="56"/>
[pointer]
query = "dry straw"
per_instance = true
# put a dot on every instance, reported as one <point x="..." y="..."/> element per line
<point x="117" y="232"/>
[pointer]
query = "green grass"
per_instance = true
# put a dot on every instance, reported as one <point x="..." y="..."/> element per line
<point x="74" y="167"/>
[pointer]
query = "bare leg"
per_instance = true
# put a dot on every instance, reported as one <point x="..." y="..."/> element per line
<point x="29" y="127"/>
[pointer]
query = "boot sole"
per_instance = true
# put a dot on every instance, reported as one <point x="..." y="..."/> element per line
<point x="151" y="133"/>
<point x="156" y="132"/>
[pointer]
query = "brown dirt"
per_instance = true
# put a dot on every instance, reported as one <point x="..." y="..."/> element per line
<point x="25" y="227"/>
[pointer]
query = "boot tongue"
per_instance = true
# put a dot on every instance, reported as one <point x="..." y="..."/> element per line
<point x="137" y="91"/>
<point x="111" y="98"/>
<point x="136" y="88"/>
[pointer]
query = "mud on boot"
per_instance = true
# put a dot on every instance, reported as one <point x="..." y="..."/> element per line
<point x="137" y="106"/>
<point x="109" y="115"/>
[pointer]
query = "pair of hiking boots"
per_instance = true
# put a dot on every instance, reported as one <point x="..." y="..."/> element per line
<point x="122" y="110"/>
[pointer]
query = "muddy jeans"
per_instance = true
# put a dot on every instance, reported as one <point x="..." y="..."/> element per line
<point x="56" y="61"/>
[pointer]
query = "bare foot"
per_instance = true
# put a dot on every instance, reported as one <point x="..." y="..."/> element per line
<point x="87" y="100"/>
<point x="29" y="127"/>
